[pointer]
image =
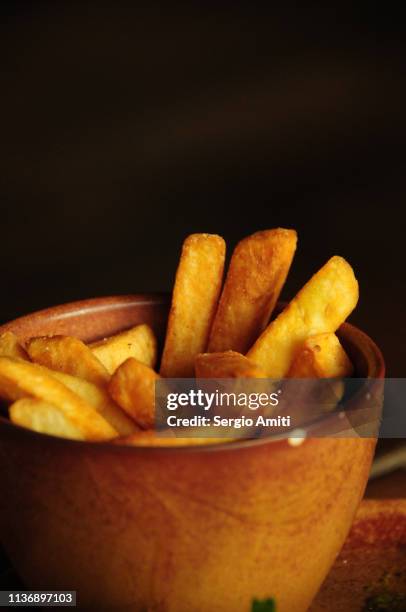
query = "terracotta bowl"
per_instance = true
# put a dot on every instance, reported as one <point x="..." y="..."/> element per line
<point x="177" y="530"/>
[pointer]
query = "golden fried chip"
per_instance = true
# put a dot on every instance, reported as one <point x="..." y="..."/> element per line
<point x="150" y="438"/>
<point x="132" y="386"/>
<point x="44" y="418"/>
<point x="10" y="346"/>
<point x="229" y="364"/>
<point x="138" y="342"/>
<point x="194" y="302"/>
<point x="20" y="379"/>
<point x="321" y="356"/>
<point x="320" y="307"/>
<point x="100" y="400"/>
<point x="258" y="270"/>
<point x="69" y="355"/>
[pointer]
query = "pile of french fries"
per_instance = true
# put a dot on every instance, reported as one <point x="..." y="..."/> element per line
<point x="103" y="391"/>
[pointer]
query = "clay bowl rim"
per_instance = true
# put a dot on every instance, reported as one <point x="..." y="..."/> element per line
<point x="160" y="298"/>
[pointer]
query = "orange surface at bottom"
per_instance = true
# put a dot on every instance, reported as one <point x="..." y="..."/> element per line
<point x="372" y="562"/>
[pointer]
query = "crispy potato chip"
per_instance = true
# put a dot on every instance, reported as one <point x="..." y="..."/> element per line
<point x="194" y="302"/>
<point x="150" y="438"/>
<point x="44" y="418"/>
<point x="10" y="346"/>
<point x="132" y="386"/>
<point x="321" y="356"/>
<point x="138" y="342"/>
<point x="100" y="400"/>
<point x="320" y="307"/>
<point x="258" y="270"/>
<point x="69" y="355"/>
<point x="229" y="364"/>
<point x="20" y="379"/>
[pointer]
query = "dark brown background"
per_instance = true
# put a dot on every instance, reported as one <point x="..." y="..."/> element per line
<point x="124" y="129"/>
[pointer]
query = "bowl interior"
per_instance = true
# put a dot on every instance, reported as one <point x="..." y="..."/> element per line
<point x="97" y="318"/>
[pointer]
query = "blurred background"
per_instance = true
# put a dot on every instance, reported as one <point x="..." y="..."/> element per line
<point x="124" y="128"/>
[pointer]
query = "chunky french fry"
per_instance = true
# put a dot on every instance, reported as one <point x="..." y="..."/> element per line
<point x="138" y="342"/>
<point x="99" y="398"/>
<point x="10" y="346"/>
<point x="20" y="379"/>
<point x="320" y="307"/>
<point x="258" y="270"/>
<point x="229" y="364"/>
<point x="132" y="386"/>
<point x="150" y="438"/>
<point x="321" y="356"/>
<point x="69" y="355"/>
<point x="44" y="418"/>
<point x="194" y="302"/>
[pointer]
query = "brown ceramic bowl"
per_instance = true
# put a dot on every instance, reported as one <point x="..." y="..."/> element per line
<point x="176" y="530"/>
